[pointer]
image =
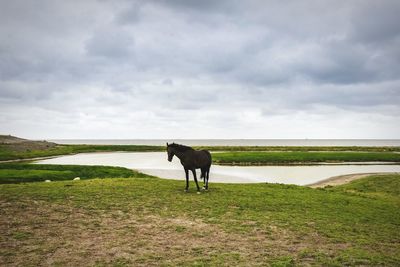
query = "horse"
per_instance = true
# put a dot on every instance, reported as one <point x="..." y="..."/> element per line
<point x="191" y="160"/>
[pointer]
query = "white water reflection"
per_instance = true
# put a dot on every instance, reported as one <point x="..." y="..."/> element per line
<point x="155" y="163"/>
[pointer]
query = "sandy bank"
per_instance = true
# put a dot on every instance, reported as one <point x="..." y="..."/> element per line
<point x="344" y="179"/>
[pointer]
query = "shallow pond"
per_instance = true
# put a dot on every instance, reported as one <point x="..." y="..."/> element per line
<point x="155" y="163"/>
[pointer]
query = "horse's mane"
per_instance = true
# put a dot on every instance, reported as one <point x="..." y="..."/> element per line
<point x="181" y="148"/>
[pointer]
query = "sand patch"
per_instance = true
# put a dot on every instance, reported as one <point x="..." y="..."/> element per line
<point x="344" y="179"/>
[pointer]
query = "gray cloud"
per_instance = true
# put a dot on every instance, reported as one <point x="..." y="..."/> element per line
<point x="213" y="68"/>
<point x="375" y="23"/>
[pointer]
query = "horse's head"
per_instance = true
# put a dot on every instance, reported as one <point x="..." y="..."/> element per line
<point x="170" y="151"/>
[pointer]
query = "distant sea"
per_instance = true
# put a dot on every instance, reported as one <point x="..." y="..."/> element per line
<point x="235" y="142"/>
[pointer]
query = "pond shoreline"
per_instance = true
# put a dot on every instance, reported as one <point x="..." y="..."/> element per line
<point x="238" y="163"/>
<point x="155" y="164"/>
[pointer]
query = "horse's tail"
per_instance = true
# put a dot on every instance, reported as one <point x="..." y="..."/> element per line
<point x="206" y="168"/>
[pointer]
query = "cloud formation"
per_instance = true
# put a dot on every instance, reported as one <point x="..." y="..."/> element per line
<point x="200" y="69"/>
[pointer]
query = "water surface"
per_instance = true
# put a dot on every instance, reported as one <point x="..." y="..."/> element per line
<point x="155" y="163"/>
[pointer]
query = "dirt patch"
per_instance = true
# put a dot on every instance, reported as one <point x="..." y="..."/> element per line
<point x="36" y="233"/>
<point x="29" y="146"/>
<point x="344" y="179"/>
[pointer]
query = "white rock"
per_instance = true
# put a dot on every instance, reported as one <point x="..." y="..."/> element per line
<point x="77" y="178"/>
<point x="47" y="181"/>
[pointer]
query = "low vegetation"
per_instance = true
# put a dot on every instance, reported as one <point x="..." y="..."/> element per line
<point x="273" y="158"/>
<point x="150" y="221"/>
<point x="22" y="173"/>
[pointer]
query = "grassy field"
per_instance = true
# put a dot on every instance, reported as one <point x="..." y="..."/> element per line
<point x="149" y="221"/>
<point x="20" y="173"/>
<point x="271" y="158"/>
<point x="144" y="221"/>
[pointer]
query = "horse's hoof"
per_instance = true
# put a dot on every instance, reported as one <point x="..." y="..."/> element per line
<point x="198" y="192"/>
<point x="186" y="190"/>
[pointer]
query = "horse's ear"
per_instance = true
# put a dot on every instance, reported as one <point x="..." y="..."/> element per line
<point x="167" y="144"/>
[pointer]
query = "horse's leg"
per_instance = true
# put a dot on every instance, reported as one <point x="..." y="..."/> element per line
<point x="195" y="180"/>
<point x="187" y="180"/>
<point x="207" y="176"/>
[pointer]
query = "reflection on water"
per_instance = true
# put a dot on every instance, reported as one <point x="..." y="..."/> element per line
<point x="155" y="163"/>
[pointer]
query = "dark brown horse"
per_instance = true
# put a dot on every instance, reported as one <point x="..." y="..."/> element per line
<point x="191" y="160"/>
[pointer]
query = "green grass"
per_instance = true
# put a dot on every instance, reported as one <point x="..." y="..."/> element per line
<point x="354" y="224"/>
<point x="19" y="176"/>
<point x="20" y="173"/>
<point x="232" y="224"/>
<point x="269" y="158"/>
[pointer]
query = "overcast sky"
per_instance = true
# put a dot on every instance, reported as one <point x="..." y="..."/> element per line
<point x="200" y="69"/>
